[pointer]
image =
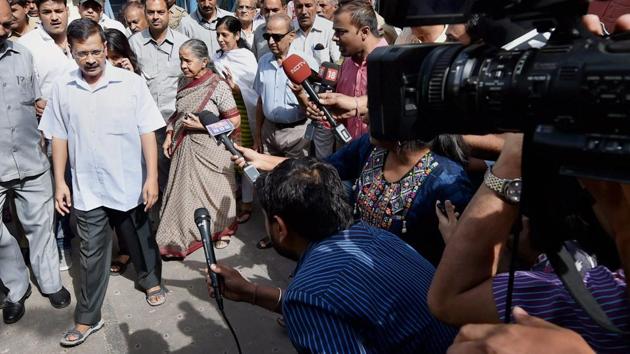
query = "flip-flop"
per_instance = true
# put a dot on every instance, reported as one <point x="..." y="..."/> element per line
<point x="81" y="337"/>
<point x="161" y="296"/>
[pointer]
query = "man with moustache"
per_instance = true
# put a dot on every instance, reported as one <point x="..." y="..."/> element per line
<point x="268" y="8"/>
<point x="52" y="58"/>
<point x="24" y="171"/>
<point x="21" y="23"/>
<point x="157" y="49"/>
<point x="202" y="24"/>
<point x="314" y="34"/>
<point x="112" y="153"/>
<point x="93" y="9"/>
<point x="136" y="21"/>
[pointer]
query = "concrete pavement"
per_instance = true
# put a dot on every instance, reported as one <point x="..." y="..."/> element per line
<point x="187" y="323"/>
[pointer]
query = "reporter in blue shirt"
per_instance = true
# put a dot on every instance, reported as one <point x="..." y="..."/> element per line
<point x="356" y="288"/>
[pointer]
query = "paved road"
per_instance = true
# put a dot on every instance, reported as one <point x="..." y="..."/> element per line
<point x="187" y="323"/>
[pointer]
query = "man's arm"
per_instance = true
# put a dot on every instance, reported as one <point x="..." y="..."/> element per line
<point x="236" y="288"/>
<point x="149" y="150"/>
<point x="260" y="119"/>
<point x="63" y="199"/>
<point x="461" y="291"/>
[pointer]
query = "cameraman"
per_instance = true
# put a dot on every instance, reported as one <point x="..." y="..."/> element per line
<point x="356" y="288"/>
<point x="466" y="288"/>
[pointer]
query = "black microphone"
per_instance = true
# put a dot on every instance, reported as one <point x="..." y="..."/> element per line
<point x="203" y="221"/>
<point x="298" y="71"/>
<point x="329" y="73"/>
<point x="219" y="129"/>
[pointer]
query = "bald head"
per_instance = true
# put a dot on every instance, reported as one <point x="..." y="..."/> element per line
<point x="280" y="21"/>
<point x="5" y="21"/>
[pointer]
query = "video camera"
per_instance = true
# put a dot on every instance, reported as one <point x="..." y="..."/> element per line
<point x="570" y="97"/>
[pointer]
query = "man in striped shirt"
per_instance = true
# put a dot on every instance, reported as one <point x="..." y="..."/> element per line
<point x="356" y="288"/>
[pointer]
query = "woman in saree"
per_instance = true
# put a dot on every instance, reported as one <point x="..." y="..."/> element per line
<point x="201" y="173"/>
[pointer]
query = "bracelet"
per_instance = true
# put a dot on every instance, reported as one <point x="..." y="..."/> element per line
<point x="255" y="294"/>
<point x="279" y="298"/>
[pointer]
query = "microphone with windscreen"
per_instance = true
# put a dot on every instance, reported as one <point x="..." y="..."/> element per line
<point x="298" y="72"/>
<point x="220" y="129"/>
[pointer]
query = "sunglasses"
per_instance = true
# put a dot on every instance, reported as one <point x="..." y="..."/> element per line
<point x="276" y="36"/>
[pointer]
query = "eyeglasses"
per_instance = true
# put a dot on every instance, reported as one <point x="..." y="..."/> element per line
<point x="94" y="53"/>
<point x="245" y="7"/>
<point x="276" y="36"/>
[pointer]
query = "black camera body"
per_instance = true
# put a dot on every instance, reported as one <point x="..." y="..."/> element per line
<point x="572" y="95"/>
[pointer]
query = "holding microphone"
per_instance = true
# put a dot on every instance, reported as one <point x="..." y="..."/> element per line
<point x="220" y="130"/>
<point x="298" y="72"/>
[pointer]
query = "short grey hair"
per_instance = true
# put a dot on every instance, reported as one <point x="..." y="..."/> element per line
<point x="199" y="49"/>
<point x="285" y="18"/>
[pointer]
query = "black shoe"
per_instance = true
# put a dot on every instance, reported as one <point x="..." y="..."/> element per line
<point x="13" y="311"/>
<point x="60" y="299"/>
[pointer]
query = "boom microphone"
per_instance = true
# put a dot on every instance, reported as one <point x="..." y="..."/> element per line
<point x="203" y="221"/>
<point x="220" y="129"/>
<point x="298" y="72"/>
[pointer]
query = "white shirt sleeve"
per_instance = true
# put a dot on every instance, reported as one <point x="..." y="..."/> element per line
<point x="257" y="86"/>
<point x="52" y="123"/>
<point x="147" y="113"/>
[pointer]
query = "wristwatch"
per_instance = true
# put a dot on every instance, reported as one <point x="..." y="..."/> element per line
<point x="508" y="189"/>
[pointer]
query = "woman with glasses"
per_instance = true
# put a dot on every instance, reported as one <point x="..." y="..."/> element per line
<point x="237" y="64"/>
<point x="201" y="175"/>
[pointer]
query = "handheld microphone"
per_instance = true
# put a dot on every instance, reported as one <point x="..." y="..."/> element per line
<point x="329" y="73"/>
<point x="203" y="221"/>
<point x="220" y="129"/>
<point x="298" y="72"/>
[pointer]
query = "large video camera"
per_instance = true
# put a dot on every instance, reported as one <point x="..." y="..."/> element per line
<point x="570" y="97"/>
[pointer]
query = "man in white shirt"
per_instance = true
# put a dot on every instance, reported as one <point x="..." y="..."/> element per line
<point x="93" y="9"/>
<point x="202" y="24"/>
<point x="49" y="46"/>
<point x="314" y="34"/>
<point x="109" y="138"/>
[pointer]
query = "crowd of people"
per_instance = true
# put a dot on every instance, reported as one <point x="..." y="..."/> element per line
<point x="398" y="244"/>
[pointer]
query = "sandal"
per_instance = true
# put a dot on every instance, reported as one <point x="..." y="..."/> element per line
<point x="264" y="243"/>
<point x="160" y="294"/>
<point x="122" y="267"/>
<point x="80" y="337"/>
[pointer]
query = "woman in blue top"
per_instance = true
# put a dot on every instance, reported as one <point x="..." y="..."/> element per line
<point x="396" y="185"/>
